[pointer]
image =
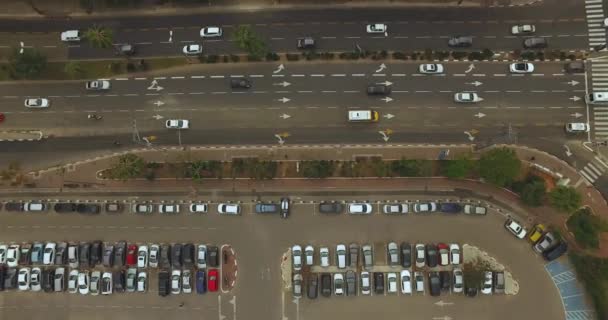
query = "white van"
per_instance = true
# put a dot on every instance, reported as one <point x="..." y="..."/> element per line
<point x="577" y="127"/>
<point x="362" y="116"/>
<point x="70" y="36"/>
<point x="598" y="98"/>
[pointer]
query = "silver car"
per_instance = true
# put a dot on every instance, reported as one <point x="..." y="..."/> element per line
<point x="420" y="255"/>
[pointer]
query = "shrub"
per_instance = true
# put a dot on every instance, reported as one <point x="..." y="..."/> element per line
<point x="411" y="168"/>
<point x="399" y="55"/>
<point x="225" y="58"/>
<point x="586" y="228"/>
<point x="476" y="55"/>
<point x="327" y="55"/>
<point x="566" y="199"/>
<point x="457" y="168"/>
<point x="458" y="55"/>
<point x="292" y="57"/>
<point x="317" y="168"/>
<point x="533" y="193"/>
<point x="487" y="53"/>
<point x="593" y="273"/>
<point x="499" y="166"/>
<point x="28" y="64"/>
<point x="272" y="56"/>
<point x="234" y="58"/>
<point x="528" y="55"/>
<point x="212" y="58"/>
<point x="441" y="55"/>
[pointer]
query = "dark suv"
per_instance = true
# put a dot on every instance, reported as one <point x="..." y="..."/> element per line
<point x="176" y="256"/>
<point x="14" y="206"/>
<point x="163" y="283"/>
<point x="88" y="208"/>
<point x="434" y="284"/>
<point x="535" y="43"/>
<point x="64" y="207"/>
<point x="378" y="89"/>
<point x="331" y="207"/>
<point x="188" y="255"/>
<point x="325" y="284"/>
<point x="432" y="258"/>
<point x="460" y="42"/>
<point x="266" y="208"/>
<point x="240" y="83"/>
<point x="165" y="256"/>
<point x="313" y="283"/>
<point x="450" y="207"/>
<point x="379" y="282"/>
<point x="212" y="256"/>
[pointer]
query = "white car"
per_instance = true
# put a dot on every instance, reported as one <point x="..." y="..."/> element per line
<point x="142" y="257"/>
<point x="406" y="282"/>
<point x="444" y="254"/>
<point x="454" y="254"/>
<point x="521" y="67"/>
<point x="420" y="255"/>
<point x="341" y="256"/>
<point x="431" y="68"/>
<point x="83" y="282"/>
<point x="97" y="85"/>
<point x="3" y="250"/>
<point x="396" y="208"/>
<point x="23" y="279"/>
<point x="523" y="29"/>
<point x="95" y="281"/>
<point x="419" y="279"/>
<point x="458" y="285"/>
<point x="142" y="282"/>
<point x="211" y="32"/>
<point x="376" y="28"/>
<point x="360" y="208"/>
<point x="70" y="36"/>
<point x="338" y="284"/>
<point x="168" y="208"/>
<point x="467" y="97"/>
<point x="391" y="279"/>
<point x="131" y="280"/>
<point x="486" y="288"/>
<point x="106" y="281"/>
<point x="474" y="209"/>
<point x="192" y="49"/>
<point x="177" y="124"/>
<point x="73" y="281"/>
<point x="37" y="103"/>
<point x="228" y="208"/>
<point x="296" y="254"/>
<point x="366" y="283"/>
<point x="577" y="127"/>
<point x="49" y="254"/>
<point x="12" y="256"/>
<point x="324" y="255"/>
<point x="309" y="255"/>
<point x="34" y="207"/>
<point x="186" y="281"/>
<point x="515" y="228"/>
<point x="201" y="256"/>
<point x="153" y="258"/>
<point x="176" y="276"/>
<point x="198" y="207"/>
<point x="36" y="279"/>
<point x="425" y="207"/>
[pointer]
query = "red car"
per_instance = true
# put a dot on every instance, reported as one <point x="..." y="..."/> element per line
<point x="132" y="255"/>
<point x="444" y="252"/>
<point x="213" y="279"/>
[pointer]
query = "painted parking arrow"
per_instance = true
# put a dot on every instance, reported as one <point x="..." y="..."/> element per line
<point x="574" y="98"/>
<point x="576" y="115"/>
<point x="387" y="99"/>
<point x="285" y="116"/>
<point x="159" y="103"/>
<point x="386" y="83"/>
<point x="568" y="152"/>
<point x="157" y="117"/>
<point x="572" y="83"/>
<point x="471" y="67"/>
<point x="280" y="68"/>
<point x="389" y="116"/>
<point x="283" y="84"/>
<point x="441" y="303"/>
<point x="382" y="67"/>
<point x="284" y="100"/>
<point x="475" y="83"/>
<point x="480" y="115"/>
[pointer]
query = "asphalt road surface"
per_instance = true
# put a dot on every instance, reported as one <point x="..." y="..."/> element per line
<point x="561" y="23"/>
<point x="260" y="241"/>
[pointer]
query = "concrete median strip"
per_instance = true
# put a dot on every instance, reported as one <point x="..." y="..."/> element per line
<point x="17" y="136"/>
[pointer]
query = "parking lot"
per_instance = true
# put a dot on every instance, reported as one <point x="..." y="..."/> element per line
<point x="260" y="242"/>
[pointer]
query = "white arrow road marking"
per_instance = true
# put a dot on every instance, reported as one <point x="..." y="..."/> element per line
<point x="154" y="86"/>
<point x="170" y="35"/>
<point x="157" y="117"/>
<point x="568" y="152"/>
<point x="572" y="83"/>
<point x="382" y="67"/>
<point x="159" y="103"/>
<point x="389" y="116"/>
<point x="386" y="83"/>
<point x="471" y="67"/>
<point x="285" y="116"/>
<point x="480" y="115"/>
<point x="283" y="84"/>
<point x="576" y="115"/>
<point x="441" y="303"/>
<point x="21" y="50"/>
<point x="384" y="136"/>
<point x="476" y="83"/>
<point x="280" y="68"/>
<point x="387" y="99"/>
<point x="574" y="98"/>
<point x="442" y="318"/>
<point x="471" y="137"/>
<point x="281" y="141"/>
<point x="284" y="100"/>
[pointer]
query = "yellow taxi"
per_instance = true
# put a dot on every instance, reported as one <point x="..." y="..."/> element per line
<point x="536" y="233"/>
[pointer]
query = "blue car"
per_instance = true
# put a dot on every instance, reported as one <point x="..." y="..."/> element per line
<point x="201" y="282"/>
<point x="450" y="207"/>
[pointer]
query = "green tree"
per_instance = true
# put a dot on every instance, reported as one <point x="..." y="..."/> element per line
<point x="73" y="69"/>
<point x="247" y="40"/>
<point x="586" y="228"/>
<point x="380" y="167"/>
<point x="128" y="166"/>
<point x="457" y="168"/>
<point x="411" y="168"/>
<point x="473" y="272"/>
<point x="99" y="37"/>
<point x="534" y="192"/>
<point x="499" y="166"/>
<point x="566" y="199"/>
<point x="26" y="64"/>
<point x="317" y="168"/>
<point x="202" y="168"/>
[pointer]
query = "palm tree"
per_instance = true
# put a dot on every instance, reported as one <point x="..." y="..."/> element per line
<point x="99" y="37"/>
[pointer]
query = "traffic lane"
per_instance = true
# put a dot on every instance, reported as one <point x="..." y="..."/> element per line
<point x="565" y="11"/>
<point x="46" y="43"/>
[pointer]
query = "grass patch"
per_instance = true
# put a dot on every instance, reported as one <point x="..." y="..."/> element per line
<point x="593" y="273"/>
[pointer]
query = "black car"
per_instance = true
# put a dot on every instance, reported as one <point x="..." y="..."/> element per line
<point x="535" y="43"/>
<point x="460" y="42"/>
<point x="85" y="254"/>
<point x="95" y="253"/>
<point x="212" y="256"/>
<point x="2" y="277"/>
<point x="119" y="279"/>
<point x="188" y="255"/>
<point x="312" y="287"/>
<point x="450" y="207"/>
<point x="240" y="83"/>
<point x="331" y="207"/>
<point x="378" y="89"/>
<point x="25" y="256"/>
<point x="14" y="206"/>
<point x="432" y="257"/>
<point x="285" y="207"/>
<point x="120" y="253"/>
<point x="470" y="291"/>
<point x="165" y="256"/>
<point x="176" y="256"/>
<point x="306" y="43"/>
<point x="163" y="283"/>
<point x="434" y="284"/>
<point x="351" y="283"/>
<point x="446" y="280"/>
<point x="406" y="255"/>
<point x="88" y="208"/>
<point x="379" y="282"/>
<point x="64" y="207"/>
<point x="10" y="279"/>
<point x="325" y="284"/>
<point x="556" y="252"/>
<point x="61" y="253"/>
<point x="48" y="280"/>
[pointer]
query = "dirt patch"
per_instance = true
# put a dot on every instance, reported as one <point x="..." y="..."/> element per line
<point x="286" y="270"/>
<point x="229" y="268"/>
<point x="472" y="253"/>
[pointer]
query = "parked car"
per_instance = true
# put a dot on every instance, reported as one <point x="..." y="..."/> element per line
<point x="368" y="256"/>
<point x="450" y="207"/>
<point x="556" y="252"/>
<point x="406" y="255"/>
<point x="119" y="280"/>
<point x="359" y="208"/>
<point x="351" y="283"/>
<point x="434" y="284"/>
<point x="201" y="256"/>
<point x="83" y="282"/>
<point x="445" y="278"/>
<point x="536" y="233"/>
<point x="176" y="281"/>
<point x="296" y="254"/>
<point x="229" y="208"/>
<point x="201" y="281"/>
<point x="331" y="207"/>
<point x="378" y="282"/>
<point x="142" y="256"/>
<point x="324" y="256"/>
<point x="266" y="208"/>
<point x="12" y="255"/>
<point x="186" y="281"/>
<point x="285" y="207"/>
<point x="106" y="283"/>
<point x="73" y="281"/>
<point x="486" y="287"/>
<point x="312" y="286"/>
<point x="198" y="207"/>
<point x="36" y="279"/>
<point x="188" y="255"/>
<point x="432" y="257"/>
<point x="154" y="255"/>
<point x="420" y="255"/>
<point x="23" y="279"/>
<point x="212" y="282"/>
<point x="474" y="209"/>
<point x="59" y="278"/>
<point x="73" y="258"/>
<point x="444" y="254"/>
<point x="107" y="259"/>
<point x="391" y="280"/>
<point x="406" y="282"/>
<point x="458" y="280"/>
<point x="64" y="207"/>
<point x="353" y="259"/>
<point x="142" y="208"/>
<point x="95" y="282"/>
<point x="164" y="259"/>
<point x="163" y="283"/>
<point x="396" y="208"/>
<point x="25" y="251"/>
<point x="88" y="208"/>
<point x="392" y="251"/>
<point x="61" y="253"/>
<point x="366" y="283"/>
<point x="515" y="228"/>
<point x="132" y="255"/>
<point x="131" y="280"/>
<point x="297" y="285"/>
<point x="49" y="254"/>
<point x="341" y="256"/>
<point x="424" y="207"/>
<point x="37" y="253"/>
<point x="176" y="256"/>
<point x="96" y="253"/>
<point x="455" y="254"/>
<point x="546" y="242"/>
<point x="309" y="255"/>
<point x="212" y="256"/>
<point x="499" y="282"/>
<point x="168" y="208"/>
<point x="114" y="207"/>
<point x="120" y="251"/>
<point x="325" y="284"/>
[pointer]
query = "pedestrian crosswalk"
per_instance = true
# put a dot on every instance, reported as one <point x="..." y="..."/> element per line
<point x="600" y="123"/>
<point x="598" y="82"/>
<point x="595" y="23"/>
<point x="594" y="169"/>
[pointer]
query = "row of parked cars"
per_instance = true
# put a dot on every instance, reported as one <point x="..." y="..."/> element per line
<point x="543" y="241"/>
<point x="404" y="255"/>
<point x="120" y="254"/>
<point x="405" y="281"/>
